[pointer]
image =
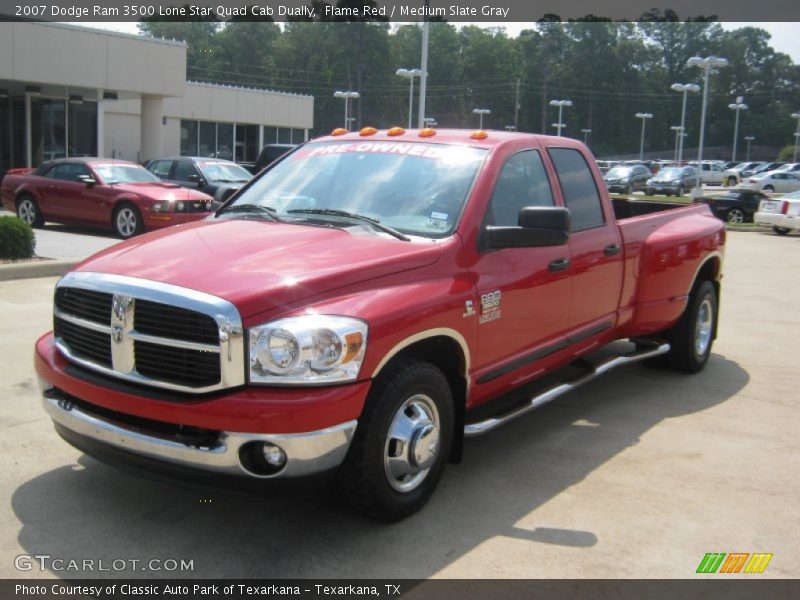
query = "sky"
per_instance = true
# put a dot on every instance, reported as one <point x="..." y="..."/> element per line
<point x="785" y="36"/>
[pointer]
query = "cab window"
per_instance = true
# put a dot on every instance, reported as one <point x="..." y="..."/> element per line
<point x="522" y="182"/>
<point x="579" y="189"/>
<point x="161" y="168"/>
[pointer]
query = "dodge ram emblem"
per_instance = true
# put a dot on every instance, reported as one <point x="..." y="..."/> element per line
<point x="116" y="333"/>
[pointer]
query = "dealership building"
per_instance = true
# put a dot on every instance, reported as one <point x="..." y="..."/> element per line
<point x="73" y="91"/>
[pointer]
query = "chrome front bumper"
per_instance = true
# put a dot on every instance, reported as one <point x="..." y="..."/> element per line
<point x="307" y="453"/>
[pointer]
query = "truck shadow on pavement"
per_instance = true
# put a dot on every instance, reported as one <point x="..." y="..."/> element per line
<point x="89" y="510"/>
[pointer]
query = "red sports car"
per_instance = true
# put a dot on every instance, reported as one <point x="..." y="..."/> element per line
<point x="100" y="192"/>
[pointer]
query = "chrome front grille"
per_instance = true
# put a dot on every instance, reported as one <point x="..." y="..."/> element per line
<point x="149" y="333"/>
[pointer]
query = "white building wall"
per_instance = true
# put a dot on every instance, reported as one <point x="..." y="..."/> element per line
<point x="122" y="137"/>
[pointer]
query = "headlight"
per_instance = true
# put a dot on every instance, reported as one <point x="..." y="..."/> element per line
<point x="307" y="349"/>
<point x="675" y="181"/>
<point x="163" y="206"/>
<point x="180" y="207"/>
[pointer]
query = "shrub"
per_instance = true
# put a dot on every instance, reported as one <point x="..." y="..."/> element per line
<point x="16" y="238"/>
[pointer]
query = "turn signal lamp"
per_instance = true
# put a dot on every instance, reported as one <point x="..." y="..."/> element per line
<point x="396" y="131"/>
<point x="339" y="131"/>
<point x="368" y="131"/>
<point x="427" y="132"/>
<point x="479" y="135"/>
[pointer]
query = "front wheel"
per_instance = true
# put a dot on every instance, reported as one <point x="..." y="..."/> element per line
<point x="781" y="230"/>
<point x="731" y="181"/>
<point x="29" y="211"/>
<point x="735" y="216"/>
<point x="401" y="444"/>
<point x="692" y="336"/>
<point x="127" y="221"/>
<point x="769" y="189"/>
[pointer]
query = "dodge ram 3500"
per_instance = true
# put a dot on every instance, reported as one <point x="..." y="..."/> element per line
<point x="366" y="303"/>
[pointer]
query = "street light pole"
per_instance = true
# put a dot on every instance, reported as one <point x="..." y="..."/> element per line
<point x="706" y="64"/>
<point x="560" y="104"/>
<point x="410" y="73"/>
<point x="737" y="106"/>
<point x="678" y="135"/>
<point x="749" y="139"/>
<point x="796" y="134"/>
<point x="643" y="117"/>
<point x="480" y="112"/>
<point x="423" y="78"/>
<point x="586" y="133"/>
<point x="347" y="96"/>
<point x="683" y="87"/>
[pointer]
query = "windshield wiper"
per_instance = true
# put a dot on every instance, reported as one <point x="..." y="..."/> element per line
<point x="343" y="213"/>
<point x="251" y="208"/>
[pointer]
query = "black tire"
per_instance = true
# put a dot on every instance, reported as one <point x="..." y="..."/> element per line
<point x="781" y="230"/>
<point x="127" y="221"/>
<point x="28" y="210"/>
<point x="692" y="337"/>
<point x="650" y="192"/>
<point x="629" y="189"/>
<point x="680" y="191"/>
<point x="732" y="181"/>
<point x="735" y="215"/>
<point x="769" y="188"/>
<point x="364" y="480"/>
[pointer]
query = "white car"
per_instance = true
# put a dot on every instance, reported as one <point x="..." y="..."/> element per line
<point x="734" y="174"/>
<point x="772" y="181"/>
<point x="782" y="214"/>
<point x="711" y="173"/>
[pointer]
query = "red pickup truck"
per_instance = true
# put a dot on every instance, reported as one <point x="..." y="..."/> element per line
<point x="366" y="303"/>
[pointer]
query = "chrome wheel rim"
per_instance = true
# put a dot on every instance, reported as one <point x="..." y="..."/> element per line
<point x="412" y="443"/>
<point x="735" y="216"/>
<point x="27" y="211"/>
<point x="702" y="328"/>
<point x="126" y="222"/>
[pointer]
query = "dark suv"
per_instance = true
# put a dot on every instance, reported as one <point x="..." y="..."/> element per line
<point x="214" y="176"/>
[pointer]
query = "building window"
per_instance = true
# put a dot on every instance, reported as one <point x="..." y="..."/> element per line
<point x="188" y="138"/>
<point x="246" y="143"/>
<point x="298" y="136"/>
<point x="225" y="141"/>
<point x="82" y="130"/>
<point x="49" y="129"/>
<point x="270" y="135"/>
<point x="208" y="139"/>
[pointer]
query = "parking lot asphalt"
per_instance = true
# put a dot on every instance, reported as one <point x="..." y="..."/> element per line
<point x="638" y="474"/>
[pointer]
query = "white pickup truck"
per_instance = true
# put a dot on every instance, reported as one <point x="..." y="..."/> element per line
<point x="782" y="214"/>
<point x="711" y="172"/>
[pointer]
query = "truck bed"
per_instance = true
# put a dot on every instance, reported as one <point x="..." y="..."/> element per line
<point x="625" y="208"/>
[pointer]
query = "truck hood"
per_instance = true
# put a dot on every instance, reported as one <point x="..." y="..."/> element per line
<point x="260" y="265"/>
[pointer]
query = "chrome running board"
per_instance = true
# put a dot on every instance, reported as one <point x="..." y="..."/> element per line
<point x="482" y="427"/>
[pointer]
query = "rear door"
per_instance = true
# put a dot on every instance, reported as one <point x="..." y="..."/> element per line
<point x="596" y="267"/>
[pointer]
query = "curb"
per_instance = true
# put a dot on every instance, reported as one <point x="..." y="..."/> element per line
<point x="45" y="268"/>
<point x="749" y="229"/>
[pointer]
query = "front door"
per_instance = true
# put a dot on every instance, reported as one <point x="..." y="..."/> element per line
<point x="523" y="293"/>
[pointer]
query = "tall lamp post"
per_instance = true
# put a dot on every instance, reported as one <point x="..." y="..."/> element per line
<point x="748" y="138"/>
<point x="796" y="134"/>
<point x="678" y="135"/>
<point x="410" y="73"/>
<point x="683" y="88"/>
<point x="708" y="63"/>
<point x="739" y="105"/>
<point x="643" y="117"/>
<point x="560" y="104"/>
<point x="347" y="96"/>
<point x="480" y="112"/>
<point x="586" y="133"/>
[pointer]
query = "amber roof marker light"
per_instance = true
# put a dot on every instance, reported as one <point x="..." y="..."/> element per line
<point x="339" y="131"/>
<point x="368" y="131"/>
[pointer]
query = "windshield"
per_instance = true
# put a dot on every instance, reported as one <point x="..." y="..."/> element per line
<point x="619" y="172"/>
<point x="417" y="189"/>
<point x="112" y="174"/>
<point x="217" y="171"/>
<point x="671" y="172"/>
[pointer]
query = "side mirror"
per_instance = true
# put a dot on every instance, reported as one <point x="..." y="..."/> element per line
<point x="538" y="226"/>
<point x="195" y="178"/>
<point x="87" y="179"/>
